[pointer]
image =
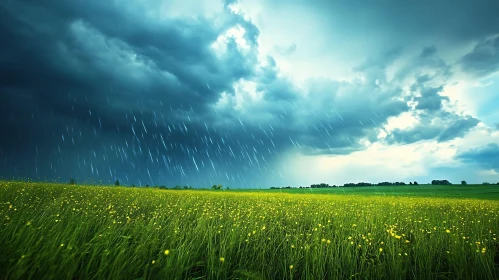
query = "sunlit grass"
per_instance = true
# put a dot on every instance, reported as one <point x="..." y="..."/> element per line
<point x="55" y="231"/>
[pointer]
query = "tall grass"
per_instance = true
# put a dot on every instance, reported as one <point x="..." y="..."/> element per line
<point x="51" y="231"/>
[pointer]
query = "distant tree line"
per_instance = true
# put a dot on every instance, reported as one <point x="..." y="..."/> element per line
<point x="441" y="182"/>
<point x="322" y="185"/>
<point x="361" y="184"/>
<point x="364" y="184"/>
<point x="117" y="183"/>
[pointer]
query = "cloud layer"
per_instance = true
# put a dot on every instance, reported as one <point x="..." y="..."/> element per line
<point x="139" y="92"/>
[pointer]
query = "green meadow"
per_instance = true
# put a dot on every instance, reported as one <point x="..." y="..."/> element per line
<point x="57" y="231"/>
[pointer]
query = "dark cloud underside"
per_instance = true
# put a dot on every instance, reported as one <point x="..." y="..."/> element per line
<point x="483" y="59"/>
<point x="486" y="156"/>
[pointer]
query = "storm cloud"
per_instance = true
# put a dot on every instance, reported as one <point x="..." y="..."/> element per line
<point x="486" y="156"/>
<point x="483" y="59"/>
<point x="103" y="90"/>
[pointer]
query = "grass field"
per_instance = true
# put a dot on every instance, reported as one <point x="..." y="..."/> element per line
<point x="52" y="231"/>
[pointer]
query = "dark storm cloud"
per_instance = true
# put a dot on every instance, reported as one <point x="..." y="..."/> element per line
<point x="449" y="126"/>
<point x="91" y="85"/>
<point x="428" y="52"/>
<point x="416" y="134"/>
<point x="102" y="92"/>
<point x="333" y="117"/>
<point x="94" y="89"/>
<point x="430" y="99"/>
<point x="98" y="45"/>
<point x="486" y="156"/>
<point x="442" y="126"/>
<point x="355" y="112"/>
<point x="483" y="59"/>
<point x="434" y="121"/>
<point x="458" y="128"/>
<point x="71" y="55"/>
<point x="428" y="58"/>
<point x="380" y="62"/>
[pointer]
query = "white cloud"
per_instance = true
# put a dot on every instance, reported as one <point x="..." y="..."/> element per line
<point x="248" y="89"/>
<point x="378" y="162"/>
<point x="406" y="120"/>
<point x="488" y="172"/>
<point x="479" y="136"/>
<point x="293" y="26"/>
<point x="245" y="97"/>
<point x="237" y="34"/>
<point x="478" y="98"/>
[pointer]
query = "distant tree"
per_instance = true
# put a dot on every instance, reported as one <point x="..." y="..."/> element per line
<point x="133" y="186"/>
<point x="117" y="183"/>
<point x="219" y="187"/>
<point x="186" y="187"/>
<point x="321" y="185"/>
<point x="463" y="182"/>
<point x="485" y="183"/>
<point x="147" y="186"/>
<point x="416" y="183"/>
<point x="227" y="188"/>
<point x="177" y="187"/>
<point x="72" y="181"/>
<point x="410" y="183"/>
<point x="163" y="187"/>
<point x="441" y="182"/>
<point x="214" y="187"/>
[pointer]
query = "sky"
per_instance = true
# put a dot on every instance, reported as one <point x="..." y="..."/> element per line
<point x="249" y="94"/>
